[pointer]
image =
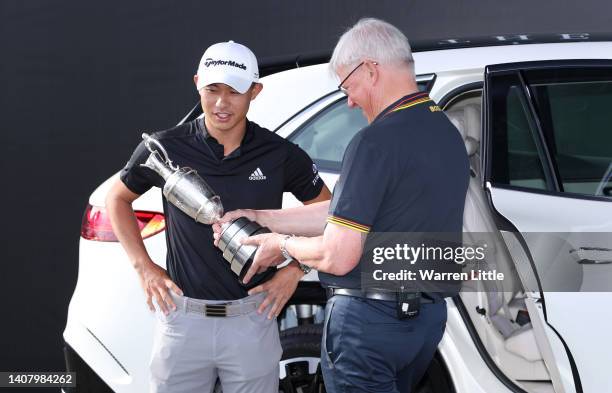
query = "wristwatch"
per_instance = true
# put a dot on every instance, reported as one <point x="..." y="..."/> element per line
<point x="283" y="249"/>
<point x="306" y="269"/>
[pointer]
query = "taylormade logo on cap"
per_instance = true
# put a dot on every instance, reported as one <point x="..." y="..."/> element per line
<point x="210" y="62"/>
<point x="230" y="63"/>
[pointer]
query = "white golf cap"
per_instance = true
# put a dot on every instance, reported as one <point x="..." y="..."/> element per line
<point x="229" y="63"/>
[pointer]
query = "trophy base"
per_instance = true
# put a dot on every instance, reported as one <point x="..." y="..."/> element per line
<point x="239" y="256"/>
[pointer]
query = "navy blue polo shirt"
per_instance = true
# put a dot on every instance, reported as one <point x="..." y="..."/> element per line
<point x="407" y="171"/>
<point x="254" y="176"/>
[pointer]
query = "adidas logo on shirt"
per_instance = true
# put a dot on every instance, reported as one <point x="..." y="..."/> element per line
<point x="257" y="175"/>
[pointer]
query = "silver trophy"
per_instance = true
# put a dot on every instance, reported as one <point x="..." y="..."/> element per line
<point x="185" y="189"/>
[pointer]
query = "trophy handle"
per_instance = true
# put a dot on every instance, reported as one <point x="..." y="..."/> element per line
<point x="150" y="140"/>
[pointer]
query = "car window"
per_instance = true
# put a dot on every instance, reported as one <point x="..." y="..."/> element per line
<point x="552" y="130"/>
<point x="326" y="136"/>
<point x="517" y="160"/>
<point x="578" y="116"/>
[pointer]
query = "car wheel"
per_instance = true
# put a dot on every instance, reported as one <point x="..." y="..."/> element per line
<point x="300" y="370"/>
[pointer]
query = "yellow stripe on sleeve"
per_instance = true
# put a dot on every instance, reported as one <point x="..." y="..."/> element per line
<point x="348" y="224"/>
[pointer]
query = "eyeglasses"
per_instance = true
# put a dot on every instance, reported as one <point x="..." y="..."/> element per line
<point x="343" y="89"/>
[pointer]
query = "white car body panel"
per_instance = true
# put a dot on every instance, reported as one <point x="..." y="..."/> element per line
<point x="270" y="109"/>
<point x="577" y="316"/>
<point x="114" y="288"/>
<point x="477" y="58"/>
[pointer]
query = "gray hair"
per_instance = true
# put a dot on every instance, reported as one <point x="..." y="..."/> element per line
<point x="372" y="39"/>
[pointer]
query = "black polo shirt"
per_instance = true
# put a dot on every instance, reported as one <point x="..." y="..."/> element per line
<point x="407" y="171"/>
<point x="254" y="176"/>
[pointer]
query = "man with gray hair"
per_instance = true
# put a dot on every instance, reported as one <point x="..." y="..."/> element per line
<point x="406" y="172"/>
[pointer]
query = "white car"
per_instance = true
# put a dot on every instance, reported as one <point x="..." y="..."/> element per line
<point x="536" y="119"/>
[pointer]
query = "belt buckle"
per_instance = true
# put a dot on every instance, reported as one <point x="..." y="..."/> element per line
<point x="215" y="310"/>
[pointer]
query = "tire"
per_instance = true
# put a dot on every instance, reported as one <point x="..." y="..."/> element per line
<point x="300" y="363"/>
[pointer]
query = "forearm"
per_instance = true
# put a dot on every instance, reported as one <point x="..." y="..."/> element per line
<point x="126" y="229"/>
<point x="317" y="253"/>
<point x="337" y="251"/>
<point x="306" y="220"/>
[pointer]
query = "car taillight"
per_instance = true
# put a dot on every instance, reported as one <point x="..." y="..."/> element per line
<point x="96" y="224"/>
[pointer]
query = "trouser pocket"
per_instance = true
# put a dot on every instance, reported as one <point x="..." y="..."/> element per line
<point x="167" y="348"/>
<point x="326" y="347"/>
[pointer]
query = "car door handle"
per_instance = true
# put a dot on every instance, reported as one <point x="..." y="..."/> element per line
<point x="588" y="255"/>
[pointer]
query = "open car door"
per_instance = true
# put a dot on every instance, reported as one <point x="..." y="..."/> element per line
<point x="547" y="160"/>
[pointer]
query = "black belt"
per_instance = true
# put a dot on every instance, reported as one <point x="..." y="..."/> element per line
<point x="373" y="294"/>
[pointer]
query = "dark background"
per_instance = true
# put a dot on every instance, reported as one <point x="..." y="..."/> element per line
<point x="80" y="80"/>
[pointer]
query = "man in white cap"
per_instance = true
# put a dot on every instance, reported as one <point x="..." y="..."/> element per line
<point x="248" y="167"/>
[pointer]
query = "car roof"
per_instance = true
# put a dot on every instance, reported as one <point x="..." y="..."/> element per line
<point x="288" y="92"/>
